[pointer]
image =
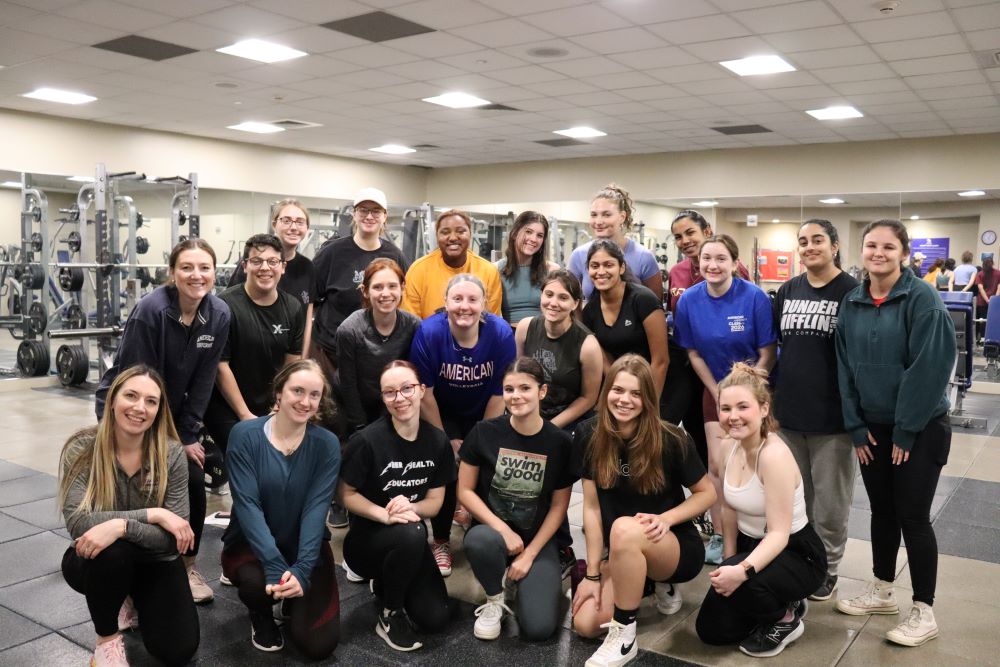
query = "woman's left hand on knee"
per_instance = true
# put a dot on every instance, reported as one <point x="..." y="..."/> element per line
<point x="653" y="526"/>
<point x="99" y="538"/>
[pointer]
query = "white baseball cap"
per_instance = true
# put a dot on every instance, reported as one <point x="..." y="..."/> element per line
<point x="371" y="194"/>
<point x="919" y="256"/>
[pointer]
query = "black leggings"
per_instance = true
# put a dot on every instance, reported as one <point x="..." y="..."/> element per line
<point x="197" y="502"/>
<point x="168" y="621"/>
<point x="793" y="575"/>
<point x="680" y="402"/>
<point x="398" y="560"/>
<point x="315" y="617"/>
<point x="455" y="428"/>
<point x="900" y="498"/>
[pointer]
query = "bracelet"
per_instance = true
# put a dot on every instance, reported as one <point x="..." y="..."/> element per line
<point x="592" y="577"/>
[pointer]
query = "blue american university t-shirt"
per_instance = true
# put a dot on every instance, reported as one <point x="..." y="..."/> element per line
<point x="725" y="329"/>
<point x="463" y="379"/>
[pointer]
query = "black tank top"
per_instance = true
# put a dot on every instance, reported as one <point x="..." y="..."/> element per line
<point x="560" y="357"/>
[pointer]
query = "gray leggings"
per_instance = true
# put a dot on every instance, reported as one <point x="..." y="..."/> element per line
<point x="538" y="594"/>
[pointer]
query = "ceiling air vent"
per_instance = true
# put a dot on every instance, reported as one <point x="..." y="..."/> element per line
<point x="988" y="58"/>
<point x="741" y="129"/>
<point x="426" y="146"/>
<point x="291" y="124"/>
<point x="496" y="107"/>
<point x="559" y="143"/>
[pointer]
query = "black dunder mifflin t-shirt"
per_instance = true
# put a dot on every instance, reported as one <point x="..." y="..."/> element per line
<point x="682" y="467"/>
<point x="518" y="473"/>
<point x="807" y="396"/>
<point x="381" y="465"/>
<point x="299" y="279"/>
<point x="627" y="333"/>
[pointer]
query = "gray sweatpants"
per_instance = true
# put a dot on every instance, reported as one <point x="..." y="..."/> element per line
<point x="538" y="594"/>
<point x="826" y="463"/>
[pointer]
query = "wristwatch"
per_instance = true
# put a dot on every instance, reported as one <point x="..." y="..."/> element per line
<point x="749" y="569"/>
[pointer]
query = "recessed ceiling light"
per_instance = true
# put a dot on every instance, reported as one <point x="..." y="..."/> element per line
<point x="256" y="128"/>
<point x="581" y="132"/>
<point x="914" y="217"/>
<point x="261" y="51"/>
<point x="831" y="200"/>
<point x="457" y="100"/>
<point x="755" y="65"/>
<point x="393" y="149"/>
<point x="61" y="96"/>
<point x="81" y="179"/>
<point x="835" y="113"/>
<point x="11" y="184"/>
<point x="971" y="193"/>
<point x="705" y="202"/>
<point x="775" y="220"/>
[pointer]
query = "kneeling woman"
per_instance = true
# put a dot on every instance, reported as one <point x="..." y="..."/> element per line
<point x="773" y="557"/>
<point x="635" y="518"/>
<point x="393" y="478"/>
<point x="123" y="493"/>
<point x="515" y="479"/>
<point x="282" y="474"/>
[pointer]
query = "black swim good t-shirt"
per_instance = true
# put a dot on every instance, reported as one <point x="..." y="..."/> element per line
<point x="627" y="333"/>
<point x="382" y="465"/>
<point x="682" y="467"/>
<point x="518" y="473"/>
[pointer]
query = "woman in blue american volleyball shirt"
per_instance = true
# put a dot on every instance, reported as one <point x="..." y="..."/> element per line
<point x="461" y="354"/>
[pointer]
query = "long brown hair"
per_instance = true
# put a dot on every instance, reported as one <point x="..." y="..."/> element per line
<point x="755" y="380"/>
<point x="538" y="261"/>
<point x="327" y="409"/>
<point x="99" y="458"/>
<point x="645" y="448"/>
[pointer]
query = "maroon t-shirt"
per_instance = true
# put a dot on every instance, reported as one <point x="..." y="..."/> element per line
<point x="989" y="285"/>
<point x="684" y="275"/>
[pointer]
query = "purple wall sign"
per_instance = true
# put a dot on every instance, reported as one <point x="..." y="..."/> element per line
<point x="932" y="249"/>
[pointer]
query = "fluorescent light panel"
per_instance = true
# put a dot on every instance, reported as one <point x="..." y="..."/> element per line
<point x="914" y="217"/>
<point x="393" y="149"/>
<point x="261" y="51"/>
<point x="971" y="193"/>
<point x="457" y="100"/>
<point x="831" y="200"/>
<point x="81" y="179"/>
<point x="706" y="202"/>
<point x="11" y="184"/>
<point x="256" y="128"/>
<point x="835" y="113"/>
<point x="61" y="96"/>
<point x="581" y="132"/>
<point x="756" y="65"/>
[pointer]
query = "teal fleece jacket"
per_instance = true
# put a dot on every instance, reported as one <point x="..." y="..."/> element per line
<point x="894" y="360"/>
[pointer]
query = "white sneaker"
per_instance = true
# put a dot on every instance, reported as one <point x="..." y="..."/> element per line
<point x="918" y="629"/>
<point x="489" y="617"/>
<point x="110" y="654"/>
<point x="351" y="575"/>
<point x="619" y="647"/>
<point x="878" y="598"/>
<point x="668" y="598"/>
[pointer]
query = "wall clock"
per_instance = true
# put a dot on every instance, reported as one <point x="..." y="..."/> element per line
<point x="989" y="237"/>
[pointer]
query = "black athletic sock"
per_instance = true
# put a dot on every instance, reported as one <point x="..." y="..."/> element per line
<point x="626" y="616"/>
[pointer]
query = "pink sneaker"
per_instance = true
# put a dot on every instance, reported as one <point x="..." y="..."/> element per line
<point x="128" y="618"/>
<point x="110" y="654"/>
<point x="462" y="518"/>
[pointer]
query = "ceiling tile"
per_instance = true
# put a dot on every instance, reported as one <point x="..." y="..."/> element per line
<point x="374" y="55"/>
<point x="729" y="49"/>
<point x="955" y="92"/>
<point x="434" y="45"/>
<point x="689" y="73"/>
<point x="935" y="65"/>
<point x="577" y="21"/>
<point x="658" y="92"/>
<point x="595" y="66"/>
<point x="702" y="29"/>
<point x="311" y="11"/>
<point x="24" y="46"/>
<point x="906" y="27"/>
<point x="854" y="73"/>
<point x="371" y="79"/>
<point x="965" y="103"/>
<point x="520" y="7"/>
<point x="446" y="14"/>
<point x="982" y="40"/>
<point x="667" y="56"/>
<point x="179" y="8"/>
<point x="566" y="49"/>
<point x="727" y="85"/>
<point x="505" y="32"/>
<point x="482" y="61"/>
<point x="874" y="86"/>
<point x="979" y="17"/>
<point x="115" y="15"/>
<point x="423" y="70"/>
<point x="799" y="16"/>
<point x="619" y="41"/>
<point x="194" y="35"/>
<point x="830" y="37"/>
<point x="314" y="39"/>
<point x="527" y="74"/>
<point x="864" y="10"/>
<point x="621" y="80"/>
<point x="562" y="87"/>
<point x="848" y="55"/>
<point x="643" y="13"/>
<point x="782" y="80"/>
<point x="248" y="21"/>
<point x="926" y="47"/>
<point x="947" y="79"/>
<point x="802" y="92"/>
<point x="67" y="30"/>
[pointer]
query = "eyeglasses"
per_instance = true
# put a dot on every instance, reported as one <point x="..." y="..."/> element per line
<point x="405" y="391"/>
<point x="272" y="262"/>
<point x="298" y="222"/>
<point x="365" y="212"/>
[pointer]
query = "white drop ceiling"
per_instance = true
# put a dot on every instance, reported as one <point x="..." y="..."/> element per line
<point x="644" y="71"/>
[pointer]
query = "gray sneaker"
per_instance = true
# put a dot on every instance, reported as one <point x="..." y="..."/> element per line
<point x="826" y="589"/>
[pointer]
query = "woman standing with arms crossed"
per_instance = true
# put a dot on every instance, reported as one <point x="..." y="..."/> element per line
<point x="282" y="472"/>
<point x="611" y="216"/>
<point x="636" y="520"/>
<point x="430" y="275"/>
<point x="624" y="316"/>
<point x="515" y="479"/>
<point x="720" y="321"/>
<point x="896" y="351"/>
<point x="123" y="494"/>
<point x="393" y="478"/>
<point x="370" y="338"/>
<point x="806" y="397"/>
<point x="179" y="330"/>
<point x="460" y="355"/>
<point x="524" y="265"/>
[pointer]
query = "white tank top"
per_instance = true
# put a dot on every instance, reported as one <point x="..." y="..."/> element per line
<point x="748" y="501"/>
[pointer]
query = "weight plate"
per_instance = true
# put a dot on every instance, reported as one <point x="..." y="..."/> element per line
<point x="33" y="277"/>
<point x="38" y="319"/>
<point x="139" y="220"/>
<point x="142" y="274"/>
<point x="141" y="245"/>
<point x="71" y="278"/>
<point x="73" y="241"/>
<point x="36" y="242"/>
<point x="33" y="358"/>
<point x="75" y="317"/>
<point x="72" y="365"/>
<point x="160" y="276"/>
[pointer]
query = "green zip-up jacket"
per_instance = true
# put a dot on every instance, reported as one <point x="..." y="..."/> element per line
<point x="894" y="360"/>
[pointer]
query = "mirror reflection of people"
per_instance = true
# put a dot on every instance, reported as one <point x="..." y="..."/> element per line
<point x="524" y="266"/>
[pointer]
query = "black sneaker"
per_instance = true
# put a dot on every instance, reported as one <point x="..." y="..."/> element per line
<point x="826" y="589"/>
<point x="264" y="633"/>
<point x="567" y="560"/>
<point x="337" y="517"/>
<point x="394" y="627"/>
<point x="769" y="641"/>
<point x="704" y="524"/>
<point x="799" y="609"/>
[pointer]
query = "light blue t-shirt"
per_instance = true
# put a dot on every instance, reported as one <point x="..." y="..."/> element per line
<point x="964" y="273"/>
<point x="639" y="260"/>
<point x="725" y="329"/>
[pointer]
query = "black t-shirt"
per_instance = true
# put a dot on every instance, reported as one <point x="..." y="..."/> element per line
<point x="560" y="359"/>
<point x="627" y="333"/>
<point x="381" y="465"/>
<point x="340" y="268"/>
<point x="518" y="473"/>
<point x="259" y="339"/>
<point x="807" y="397"/>
<point x="682" y="467"/>
<point x="299" y="279"/>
